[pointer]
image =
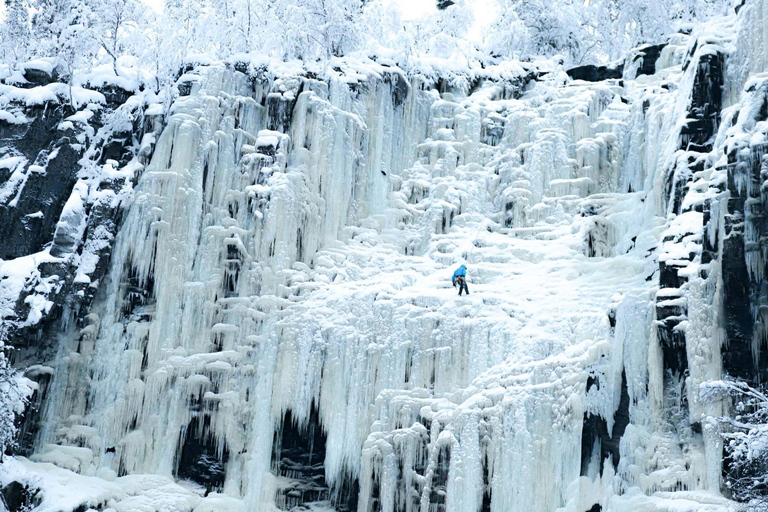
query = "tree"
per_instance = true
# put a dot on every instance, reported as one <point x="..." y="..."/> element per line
<point x="531" y="28"/>
<point x="76" y="45"/>
<point x="597" y="30"/>
<point x="507" y="35"/>
<point x="112" y="23"/>
<point x="15" y="32"/>
<point x="13" y="398"/>
<point x="746" y="440"/>
<point x="452" y="25"/>
<point x="48" y="22"/>
<point x="551" y="31"/>
<point x="319" y="29"/>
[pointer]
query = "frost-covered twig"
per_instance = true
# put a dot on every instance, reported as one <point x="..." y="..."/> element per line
<point x="13" y="397"/>
<point x="746" y="440"/>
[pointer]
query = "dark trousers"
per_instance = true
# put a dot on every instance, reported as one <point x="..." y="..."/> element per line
<point x="462" y="284"/>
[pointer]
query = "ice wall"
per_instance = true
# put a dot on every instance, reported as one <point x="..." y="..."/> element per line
<point x="68" y="158"/>
<point x="277" y="330"/>
<point x="222" y="221"/>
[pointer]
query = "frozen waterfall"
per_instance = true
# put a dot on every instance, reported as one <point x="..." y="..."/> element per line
<point x="276" y="327"/>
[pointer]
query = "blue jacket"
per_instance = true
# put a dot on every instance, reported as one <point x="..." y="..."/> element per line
<point x="461" y="271"/>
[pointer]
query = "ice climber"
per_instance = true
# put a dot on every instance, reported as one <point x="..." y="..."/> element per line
<point x="460" y="278"/>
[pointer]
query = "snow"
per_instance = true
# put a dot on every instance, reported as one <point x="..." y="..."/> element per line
<point x="54" y="93"/>
<point x="104" y="76"/>
<point x="45" y="65"/>
<point x="65" y="491"/>
<point x="290" y="267"/>
<point x="258" y="272"/>
<point x="14" y="275"/>
<point x="11" y="118"/>
<point x="80" y="117"/>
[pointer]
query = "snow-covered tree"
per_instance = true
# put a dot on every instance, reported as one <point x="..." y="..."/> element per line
<point x="452" y="26"/>
<point x="385" y="30"/>
<point x="13" y="393"/>
<point x="112" y="25"/>
<point x="507" y="34"/>
<point x="530" y="28"/>
<point x="241" y="24"/>
<point x="82" y="32"/>
<point x="15" y="33"/>
<point x="550" y="31"/>
<point x="64" y="29"/>
<point x="589" y="30"/>
<point x="77" y="44"/>
<point x="180" y="26"/>
<point x="319" y="29"/>
<point x="745" y="433"/>
<point x="50" y="19"/>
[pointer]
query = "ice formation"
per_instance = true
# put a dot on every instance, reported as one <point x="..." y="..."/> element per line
<point x="277" y="325"/>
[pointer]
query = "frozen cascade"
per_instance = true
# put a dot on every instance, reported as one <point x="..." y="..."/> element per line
<point x="277" y="325"/>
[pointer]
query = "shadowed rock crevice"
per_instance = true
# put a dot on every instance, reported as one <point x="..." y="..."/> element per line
<point x="200" y="460"/>
<point x="596" y="440"/>
<point x="298" y="456"/>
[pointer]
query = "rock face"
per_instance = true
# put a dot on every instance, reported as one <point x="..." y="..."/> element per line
<point x="18" y="497"/>
<point x="29" y="219"/>
<point x="59" y="212"/>
<point x="258" y="305"/>
<point x="200" y="460"/>
<point x="642" y="60"/>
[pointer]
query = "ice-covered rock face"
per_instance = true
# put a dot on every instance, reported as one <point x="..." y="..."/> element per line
<point x="60" y="197"/>
<point x="277" y="325"/>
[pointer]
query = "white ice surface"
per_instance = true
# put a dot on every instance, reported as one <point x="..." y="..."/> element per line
<point x="320" y="273"/>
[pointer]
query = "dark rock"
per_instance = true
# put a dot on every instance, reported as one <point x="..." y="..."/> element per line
<point x="668" y="317"/>
<point x="400" y="87"/>
<point x="706" y="104"/>
<point x="711" y="238"/>
<point x="444" y="4"/>
<point x="200" y="460"/>
<point x="745" y="297"/>
<point x="30" y="422"/>
<point x="437" y="497"/>
<point x="592" y="73"/>
<point x="19" y="497"/>
<point x="37" y="77"/>
<point x="672" y="343"/>
<point x="696" y="136"/>
<point x="184" y="86"/>
<point x="118" y="149"/>
<point x="41" y="143"/>
<point x="22" y="231"/>
<point x="595" y="430"/>
<point x="492" y="130"/>
<point x="299" y="455"/>
<point x="485" y="506"/>
<point x="280" y="112"/>
<point x="648" y="55"/>
<point x="114" y="95"/>
<point x="597" y="236"/>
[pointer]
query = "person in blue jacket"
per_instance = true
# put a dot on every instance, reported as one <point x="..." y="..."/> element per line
<point x="460" y="278"/>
